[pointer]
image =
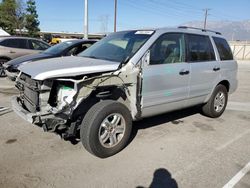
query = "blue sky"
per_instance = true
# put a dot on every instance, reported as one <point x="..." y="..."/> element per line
<point x="66" y="15"/>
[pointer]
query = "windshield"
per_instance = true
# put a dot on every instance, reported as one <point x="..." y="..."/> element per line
<point x="59" y="48"/>
<point x="118" y="46"/>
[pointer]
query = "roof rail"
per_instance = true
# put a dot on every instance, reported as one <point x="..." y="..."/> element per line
<point x="203" y="30"/>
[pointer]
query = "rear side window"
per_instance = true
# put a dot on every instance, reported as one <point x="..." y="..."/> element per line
<point x="199" y="48"/>
<point x="15" y="43"/>
<point x="223" y="49"/>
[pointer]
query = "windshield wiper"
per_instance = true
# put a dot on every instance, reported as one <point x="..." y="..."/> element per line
<point x="93" y="57"/>
<point x="124" y="62"/>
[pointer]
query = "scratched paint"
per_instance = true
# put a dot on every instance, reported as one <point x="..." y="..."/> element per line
<point x="167" y="93"/>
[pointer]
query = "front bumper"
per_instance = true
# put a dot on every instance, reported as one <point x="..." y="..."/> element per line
<point x="19" y="110"/>
<point x="35" y="118"/>
<point x="11" y="75"/>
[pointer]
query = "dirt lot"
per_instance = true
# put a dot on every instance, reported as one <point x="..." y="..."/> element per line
<point x="180" y="149"/>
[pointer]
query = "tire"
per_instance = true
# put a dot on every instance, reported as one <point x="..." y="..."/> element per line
<point x="2" y="72"/>
<point x="217" y="103"/>
<point x="106" y="128"/>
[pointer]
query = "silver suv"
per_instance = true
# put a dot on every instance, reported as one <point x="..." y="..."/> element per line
<point x="125" y="77"/>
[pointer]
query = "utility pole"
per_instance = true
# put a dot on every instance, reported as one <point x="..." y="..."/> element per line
<point x="86" y="19"/>
<point x="206" y="14"/>
<point x="115" y="14"/>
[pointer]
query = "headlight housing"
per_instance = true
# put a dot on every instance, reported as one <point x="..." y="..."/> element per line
<point x="62" y="94"/>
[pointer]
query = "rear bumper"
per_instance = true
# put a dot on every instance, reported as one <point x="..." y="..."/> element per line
<point x="233" y="86"/>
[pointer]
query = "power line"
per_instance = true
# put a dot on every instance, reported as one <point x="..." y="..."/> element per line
<point x="160" y="8"/>
<point x="104" y="23"/>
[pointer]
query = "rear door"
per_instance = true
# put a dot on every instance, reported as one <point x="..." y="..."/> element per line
<point x="205" y="70"/>
<point x="166" y="78"/>
<point x="227" y="63"/>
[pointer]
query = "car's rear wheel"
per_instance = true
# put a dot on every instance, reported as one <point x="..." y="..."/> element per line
<point x="2" y="72"/>
<point x="217" y="102"/>
<point x="106" y="128"/>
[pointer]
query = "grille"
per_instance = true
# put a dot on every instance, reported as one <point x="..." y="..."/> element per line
<point x="30" y="93"/>
<point x="31" y="99"/>
<point x="29" y="81"/>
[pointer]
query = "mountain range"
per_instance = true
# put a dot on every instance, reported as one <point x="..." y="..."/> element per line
<point x="232" y="30"/>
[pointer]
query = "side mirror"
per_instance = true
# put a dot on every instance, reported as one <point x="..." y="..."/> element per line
<point x="146" y="58"/>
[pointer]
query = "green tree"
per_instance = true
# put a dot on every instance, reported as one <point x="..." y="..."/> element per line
<point x="7" y="15"/>
<point x="31" y="17"/>
<point x="11" y="15"/>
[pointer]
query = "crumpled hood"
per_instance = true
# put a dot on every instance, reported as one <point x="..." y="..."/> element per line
<point x="66" y="66"/>
<point x="18" y="61"/>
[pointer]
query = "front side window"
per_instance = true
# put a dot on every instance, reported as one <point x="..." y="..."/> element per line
<point x="199" y="48"/>
<point x="118" y="46"/>
<point x="169" y="48"/>
<point x="38" y="45"/>
<point x="223" y="49"/>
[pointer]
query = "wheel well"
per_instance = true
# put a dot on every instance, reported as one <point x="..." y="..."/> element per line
<point x="101" y="93"/>
<point x="226" y="84"/>
<point x="1" y="57"/>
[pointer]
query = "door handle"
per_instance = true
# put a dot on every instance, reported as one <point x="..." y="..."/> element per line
<point x="12" y="52"/>
<point x="184" y="72"/>
<point x="216" y="68"/>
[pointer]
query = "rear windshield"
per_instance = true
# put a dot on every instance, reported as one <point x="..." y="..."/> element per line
<point x="118" y="46"/>
<point x="59" y="48"/>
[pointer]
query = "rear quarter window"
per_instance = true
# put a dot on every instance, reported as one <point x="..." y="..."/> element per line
<point x="223" y="49"/>
<point x="4" y="43"/>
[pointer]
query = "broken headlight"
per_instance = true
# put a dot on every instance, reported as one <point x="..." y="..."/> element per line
<point x="62" y="95"/>
<point x="65" y="94"/>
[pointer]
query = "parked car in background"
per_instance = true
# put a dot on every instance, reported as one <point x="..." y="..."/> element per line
<point x="13" y="47"/>
<point x="67" y="48"/>
<point x="58" y="40"/>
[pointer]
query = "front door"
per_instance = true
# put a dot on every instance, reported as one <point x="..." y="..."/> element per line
<point x="166" y="77"/>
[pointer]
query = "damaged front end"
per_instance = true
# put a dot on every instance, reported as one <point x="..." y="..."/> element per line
<point x="37" y="103"/>
<point x="61" y="103"/>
